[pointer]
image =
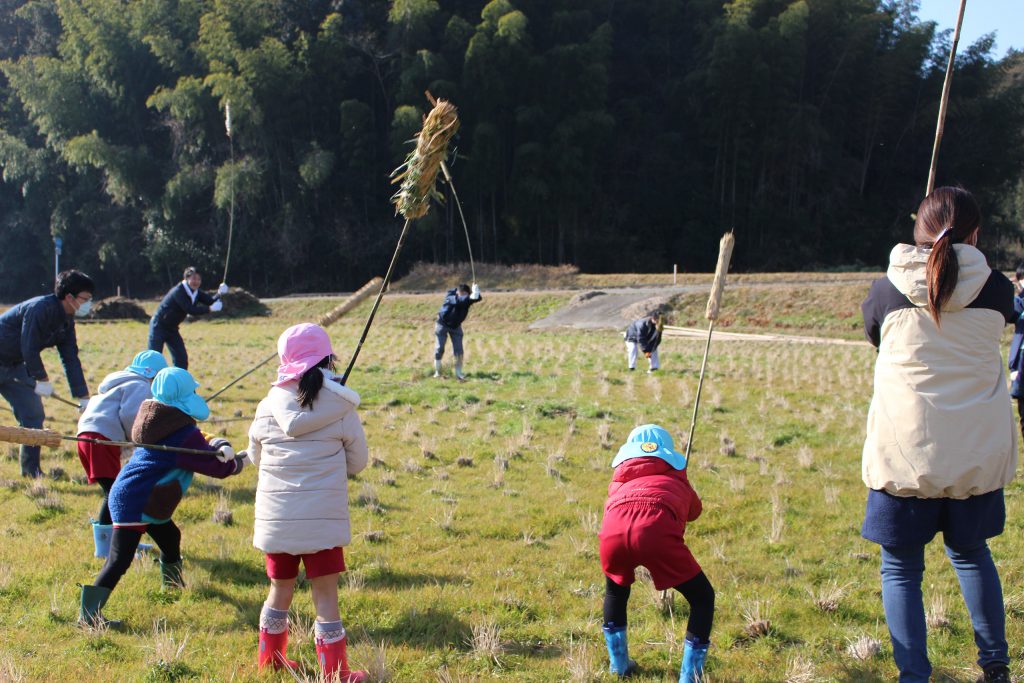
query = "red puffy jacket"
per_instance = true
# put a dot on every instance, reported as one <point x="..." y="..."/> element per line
<point x="653" y="481"/>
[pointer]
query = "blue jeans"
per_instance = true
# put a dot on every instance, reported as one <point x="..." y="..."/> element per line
<point x="159" y="335"/>
<point x="441" y="332"/>
<point x="902" y="572"/>
<point x="19" y="390"/>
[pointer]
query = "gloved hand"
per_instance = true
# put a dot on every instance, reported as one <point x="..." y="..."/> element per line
<point x="83" y="403"/>
<point x="223" y="288"/>
<point x="475" y="293"/>
<point x="216" y="306"/>
<point x="240" y="463"/>
<point x="43" y="388"/>
<point x="225" y="453"/>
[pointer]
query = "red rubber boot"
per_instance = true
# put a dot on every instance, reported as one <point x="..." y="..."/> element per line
<point x="273" y="650"/>
<point x="333" y="660"/>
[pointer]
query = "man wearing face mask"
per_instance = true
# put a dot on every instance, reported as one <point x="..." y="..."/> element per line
<point x="184" y="299"/>
<point x="27" y="329"/>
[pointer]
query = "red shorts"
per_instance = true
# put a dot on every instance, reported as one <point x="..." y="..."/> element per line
<point x="99" y="461"/>
<point x="284" y="566"/>
<point x="647" y="535"/>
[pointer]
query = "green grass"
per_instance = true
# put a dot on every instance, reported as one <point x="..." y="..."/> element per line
<point x="488" y="497"/>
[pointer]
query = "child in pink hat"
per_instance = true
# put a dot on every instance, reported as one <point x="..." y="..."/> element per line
<point x="306" y="439"/>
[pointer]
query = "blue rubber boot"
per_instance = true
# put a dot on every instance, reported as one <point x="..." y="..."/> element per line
<point x="618" y="651"/>
<point x="694" y="655"/>
<point x="101" y="538"/>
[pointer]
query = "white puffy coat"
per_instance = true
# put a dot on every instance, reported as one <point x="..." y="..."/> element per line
<point x="304" y="456"/>
<point x="940" y="423"/>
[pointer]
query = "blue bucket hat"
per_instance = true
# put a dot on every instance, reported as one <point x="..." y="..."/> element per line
<point x="176" y="387"/>
<point x="147" y="364"/>
<point x="648" y="441"/>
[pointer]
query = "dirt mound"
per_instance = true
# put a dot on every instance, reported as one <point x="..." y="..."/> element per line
<point x="239" y="303"/>
<point x="118" y="308"/>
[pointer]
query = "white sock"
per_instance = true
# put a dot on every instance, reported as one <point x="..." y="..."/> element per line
<point x="273" y="620"/>
<point x="328" y="632"/>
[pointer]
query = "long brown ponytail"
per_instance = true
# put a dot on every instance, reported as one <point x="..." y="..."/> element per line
<point x="949" y="215"/>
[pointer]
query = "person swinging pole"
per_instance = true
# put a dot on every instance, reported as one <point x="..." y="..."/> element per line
<point x="183" y="299"/>
<point x="450" y="317"/>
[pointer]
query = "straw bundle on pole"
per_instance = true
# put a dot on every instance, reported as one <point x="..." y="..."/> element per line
<point x="418" y="178"/>
<point x="725" y="247"/>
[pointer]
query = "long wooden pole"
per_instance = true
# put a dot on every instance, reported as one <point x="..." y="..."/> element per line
<point x="325" y="320"/>
<point x="48" y="437"/>
<point x="940" y="127"/>
<point x="376" y="302"/>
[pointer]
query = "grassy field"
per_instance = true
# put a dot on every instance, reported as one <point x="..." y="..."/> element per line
<point x="474" y="554"/>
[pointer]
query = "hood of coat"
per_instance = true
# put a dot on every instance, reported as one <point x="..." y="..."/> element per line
<point x="634" y="468"/>
<point x="908" y="266"/>
<point x="156" y="421"/>
<point x="334" y="402"/>
<point x="118" y="378"/>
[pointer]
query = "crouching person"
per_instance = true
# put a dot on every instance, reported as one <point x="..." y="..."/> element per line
<point x="306" y="440"/>
<point x="153" y="482"/>
<point x="650" y="500"/>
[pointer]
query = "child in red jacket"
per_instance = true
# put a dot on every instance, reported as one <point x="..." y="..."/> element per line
<point x="650" y="500"/>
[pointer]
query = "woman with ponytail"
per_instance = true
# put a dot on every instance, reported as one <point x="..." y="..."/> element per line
<point x="941" y="443"/>
<point x="306" y="439"/>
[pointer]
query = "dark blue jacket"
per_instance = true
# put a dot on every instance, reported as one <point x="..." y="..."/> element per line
<point x="177" y="304"/>
<point x="645" y="333"/>
<point x="455" y="308"/>
<point x="150" y="486"/>
<point x="1018" y="332"/>
<point x="38" y="324"/>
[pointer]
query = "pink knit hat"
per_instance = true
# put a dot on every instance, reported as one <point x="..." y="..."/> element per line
<point x="301" y="347"/>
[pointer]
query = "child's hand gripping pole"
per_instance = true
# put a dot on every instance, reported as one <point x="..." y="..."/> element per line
<point x="725" y="247"/>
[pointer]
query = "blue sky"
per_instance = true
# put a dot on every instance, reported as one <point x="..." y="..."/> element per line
<point x="1005" y="17"/>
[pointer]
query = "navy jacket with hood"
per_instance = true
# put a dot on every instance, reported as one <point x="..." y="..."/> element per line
<point x="454" y="309"/>
<point x="37" y="324"/>
<point x="177" y="304"/>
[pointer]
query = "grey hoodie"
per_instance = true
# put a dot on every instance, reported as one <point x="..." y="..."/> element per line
<point x="112" y="411"/>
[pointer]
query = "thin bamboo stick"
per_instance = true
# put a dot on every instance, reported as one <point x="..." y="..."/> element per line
<point x="52" y="439"/>
<point x="947" y="83"/>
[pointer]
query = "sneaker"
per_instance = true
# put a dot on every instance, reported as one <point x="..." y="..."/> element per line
<point x="998" y="673"/>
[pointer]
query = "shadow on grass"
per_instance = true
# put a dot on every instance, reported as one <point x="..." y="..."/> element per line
<point x="232" y="571"/>
<point x="388" y="578"/>
<point x="429" y="628"/>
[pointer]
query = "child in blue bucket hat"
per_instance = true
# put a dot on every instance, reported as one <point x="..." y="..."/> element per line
<point x="650" y="500"/>
<point x="109" y="416"/>
<point x="153" y="482"/>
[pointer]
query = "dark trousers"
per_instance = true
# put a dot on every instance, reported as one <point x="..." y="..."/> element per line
<point x="697" y="591"/>
<point x="1020" y="414"/>
<point x="19" y="389"/>
<point x="124" y="542"/>
<point x="104" y="514"/>
<point x="160" y="335"/>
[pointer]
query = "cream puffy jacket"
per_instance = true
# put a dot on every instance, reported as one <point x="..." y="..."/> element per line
<point x="940" y="423"/>
<point x="304" y="458"/>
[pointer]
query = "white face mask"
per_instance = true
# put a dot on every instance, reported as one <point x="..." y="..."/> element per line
<point x="84" y="309"/>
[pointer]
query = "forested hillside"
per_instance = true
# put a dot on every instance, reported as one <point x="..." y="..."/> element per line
<point x="617" y="135"/>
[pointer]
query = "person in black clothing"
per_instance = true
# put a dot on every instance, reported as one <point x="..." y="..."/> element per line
<point x="449" y="324"/>
<point x="27" y="329"/>
<point x="184" y="299"/>
<point x="644" y="334"/>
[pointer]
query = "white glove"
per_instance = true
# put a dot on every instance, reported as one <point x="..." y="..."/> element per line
<point x="83" y="403"/>
<point x="43" y="388"/>
<point x="475" y="295"/>
<point x="225" y="453"/>
<point x="223" y="289"/>
<point x="216" y="306"/>
<point x="1013" y="376"/>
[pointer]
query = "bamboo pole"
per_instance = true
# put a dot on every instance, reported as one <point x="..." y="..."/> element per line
<point x="725" y="247"/>
<point x="325" y="320"/>
<point x="940" y="126"/>
<point x="52" y="439"/>
<point x="462" y="217"/>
